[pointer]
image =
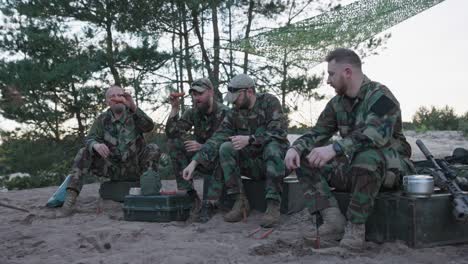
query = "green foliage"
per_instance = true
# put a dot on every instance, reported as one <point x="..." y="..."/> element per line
<point x="42" y="179"/>
<point x="463" y="124"/>
<point x="436" y="119"/>
<point x="38" y="156"/>
<point x="408" y="126"/>
<point x="298" y="129"/>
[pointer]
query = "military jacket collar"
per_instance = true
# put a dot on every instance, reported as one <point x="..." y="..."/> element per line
<point x="122" y="118"/>
<point x="349" y="103"/>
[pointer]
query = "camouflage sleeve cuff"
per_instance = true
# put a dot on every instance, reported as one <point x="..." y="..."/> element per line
<point x="298" y="148"/>
<point x="347" y="146"/>
<point x="90" y="145"/>
<point x="198" y="158"/>
<point x="140" y="114"/>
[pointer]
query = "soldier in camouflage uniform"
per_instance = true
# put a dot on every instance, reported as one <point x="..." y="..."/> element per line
<point x="251" y="141"/>
<point x="114" y="147"/>
<point x="205" y="117"/>
<point x="372" y="151"/>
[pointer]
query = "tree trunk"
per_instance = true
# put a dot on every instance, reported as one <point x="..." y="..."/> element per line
<point x="231" y="59"/>
<point x="181" y="60"/>
<point x="79" y="120"/>
<point x="206" y="59"/>
<point x="216" y="47"/>
<point x="247" y="33"/>
<point x="110" y="53"/>
<point x="188" y="62"/>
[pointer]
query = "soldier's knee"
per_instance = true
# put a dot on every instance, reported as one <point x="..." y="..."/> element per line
<point x="273" y="150"/>
<point x="226" y="148"/>
<point x="370" y="160"/>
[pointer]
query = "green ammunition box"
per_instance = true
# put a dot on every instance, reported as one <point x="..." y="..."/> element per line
<point x="419" y="222"/>
<point x="157" y="208"/>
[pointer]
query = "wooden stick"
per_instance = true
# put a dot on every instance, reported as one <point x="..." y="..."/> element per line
<point x="14" y="207"/>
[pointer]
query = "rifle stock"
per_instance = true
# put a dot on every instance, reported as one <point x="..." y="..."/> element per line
<point x="447" y="178"/>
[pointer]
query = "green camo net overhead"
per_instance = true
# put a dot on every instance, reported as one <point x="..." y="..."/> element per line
<point x="347" y="26"/>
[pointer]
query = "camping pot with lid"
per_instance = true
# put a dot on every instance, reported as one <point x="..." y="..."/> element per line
<point x="418" y="185"/>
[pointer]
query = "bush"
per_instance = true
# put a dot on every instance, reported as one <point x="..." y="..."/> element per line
<point x="463" y="124"/>
<point x="435" y="119"/>
<point x="46" y="160"/>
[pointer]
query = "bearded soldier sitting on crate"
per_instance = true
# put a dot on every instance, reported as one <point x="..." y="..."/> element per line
<point x="114" y="147"/>
<point x="204" y="118"/>
<point x="372" y="151"/>
<point x="250" y="141"/>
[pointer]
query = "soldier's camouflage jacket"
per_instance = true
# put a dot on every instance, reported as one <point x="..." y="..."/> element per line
<point x="265" y="121"/>
<point x="123" y="137"/>
<point x="372" y="120"/>
<point x="203" y="125"/>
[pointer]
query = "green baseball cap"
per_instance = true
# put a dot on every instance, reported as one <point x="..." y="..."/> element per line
<point x="238" y="83"/>
<point x="201" y="85"/>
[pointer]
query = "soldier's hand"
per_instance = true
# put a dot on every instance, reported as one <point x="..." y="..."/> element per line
<point x="129" y="102"/>
<point x="102" y="149"/>
<point x="318" y="157"/>
<point x="192" y="146"/>
<point x="239" y="142"/>
<point x="292" y="159"/>
<point x="187" y="174"/>
<point x="175" y="104"/>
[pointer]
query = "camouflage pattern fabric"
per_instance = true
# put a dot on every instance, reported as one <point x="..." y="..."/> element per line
<point x="203" y="126"/>
<point x="129" y="155"/>
<point x="373" y="145"/>
<point x="263" y="159"/>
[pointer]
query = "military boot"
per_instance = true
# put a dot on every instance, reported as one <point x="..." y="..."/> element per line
<point x="196" y="205"/>
<point x="68" y="204"/>
<point x="272" y="214"/>
<point x="332" y="228"/>
<point x="239" y="209"/>
<point x="207" y="211"/>
<point x="354" y="237"/>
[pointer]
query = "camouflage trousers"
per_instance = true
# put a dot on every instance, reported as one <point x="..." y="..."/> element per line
<point x="257" y="164"/>
<point x="91" y="163"/>
<point x="362" y="177"/>
<point x="212" y="175"/>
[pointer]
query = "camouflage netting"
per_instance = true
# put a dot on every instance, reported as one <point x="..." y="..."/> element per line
<point x="345" y="26"/>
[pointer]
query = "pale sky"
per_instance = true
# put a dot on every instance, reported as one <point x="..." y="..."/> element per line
<point x="425" y="61"/>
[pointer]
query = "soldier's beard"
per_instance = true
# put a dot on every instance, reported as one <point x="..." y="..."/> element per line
<point x="244" y="104"/>
<point x="118" y="108"/>
<point x="203" y="107"/>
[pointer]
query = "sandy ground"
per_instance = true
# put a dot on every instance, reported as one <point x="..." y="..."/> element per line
<point x="87" y="237"/>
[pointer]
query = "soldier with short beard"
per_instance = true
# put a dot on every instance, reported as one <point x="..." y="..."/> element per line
<point x="114" y="147"/>
<point x="204" y="118"/>
<point x="252" y="141"/>
<point x="371" y="154"/>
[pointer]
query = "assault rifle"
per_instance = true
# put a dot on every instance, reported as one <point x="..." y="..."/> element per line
<point x="446" y="178"/>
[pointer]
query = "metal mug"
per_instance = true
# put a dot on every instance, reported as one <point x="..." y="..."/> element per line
<point x="418" y="185"/>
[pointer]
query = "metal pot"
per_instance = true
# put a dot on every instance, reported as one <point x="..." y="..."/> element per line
<point x="418" y="185"/>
